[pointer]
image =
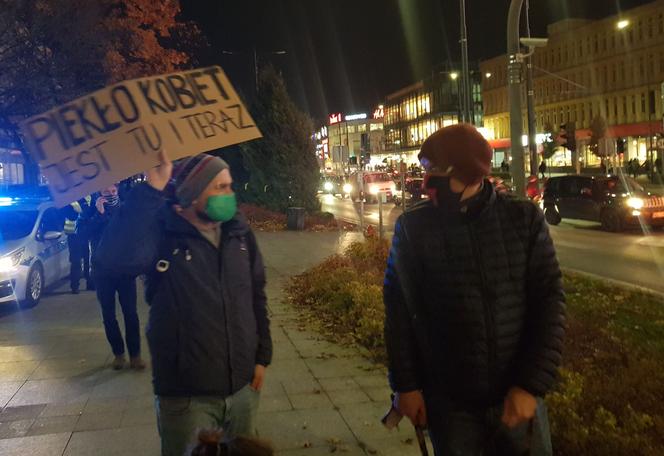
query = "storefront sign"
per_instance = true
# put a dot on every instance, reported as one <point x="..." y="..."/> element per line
<point x="379" y="113"/>
<point x="356" y="116"/>
<point x="116" y="132"/>
<point x="335" y="118"/>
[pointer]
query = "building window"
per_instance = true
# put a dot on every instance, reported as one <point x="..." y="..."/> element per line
<point x="634" y="105"/>
<point x="362" y="128"/>
<point x="643" y="103"/>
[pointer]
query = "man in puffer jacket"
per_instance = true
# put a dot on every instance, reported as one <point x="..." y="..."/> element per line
<point x="208" y="330"/>
<point x="474" y="307"/>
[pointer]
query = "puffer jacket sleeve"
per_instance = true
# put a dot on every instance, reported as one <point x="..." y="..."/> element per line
<point x="400" y="338"/>
<point x="264" y="352"/>
<point x="130" y="242"/>
<point x="544" y="331"/>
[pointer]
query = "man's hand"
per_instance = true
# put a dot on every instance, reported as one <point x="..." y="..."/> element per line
<point x="259" y="377"/>
<point x="519" y="407"/>
<point x="100" y="204"/>
<point x="159" y="176"/>
<point x="411" y="404"/>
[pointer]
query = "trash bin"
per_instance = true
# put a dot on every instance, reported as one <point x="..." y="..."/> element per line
<point x="295" y="218"/>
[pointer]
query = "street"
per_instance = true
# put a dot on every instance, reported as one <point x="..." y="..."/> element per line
<point x="632" y="257"/>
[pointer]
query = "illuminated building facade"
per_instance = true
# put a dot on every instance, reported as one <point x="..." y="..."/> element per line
<point x="611" y="68"/>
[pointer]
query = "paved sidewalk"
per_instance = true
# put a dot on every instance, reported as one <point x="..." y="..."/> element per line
<point x="59" y="396"/>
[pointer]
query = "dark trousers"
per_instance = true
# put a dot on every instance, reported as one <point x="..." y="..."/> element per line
<point x="125" y="288"/>
<point x="481" y="433"/>
<point x="79" y="259"/>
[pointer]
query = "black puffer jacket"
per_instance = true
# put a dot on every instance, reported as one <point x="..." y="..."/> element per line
<point x="208" y="324"/>
<point x="487" y="308"/>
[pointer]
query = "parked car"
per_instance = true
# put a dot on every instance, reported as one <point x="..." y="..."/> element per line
<point x="616" y="202"/>
<point x="33" y="249"/>
<point x="414" y="191"/>
<point x="374" y="183"/>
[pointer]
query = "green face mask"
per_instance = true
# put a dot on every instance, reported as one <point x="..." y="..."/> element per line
<point x="221" y="208"/>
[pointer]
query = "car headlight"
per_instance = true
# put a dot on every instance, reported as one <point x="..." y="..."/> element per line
<point x="348" y="188"/>
<point x="328" y="186"/>
<point x="635" y="203"/>
<point x="9" y="262"/>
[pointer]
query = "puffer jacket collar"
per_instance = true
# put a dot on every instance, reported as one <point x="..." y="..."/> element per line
<point x="473" y="208"/>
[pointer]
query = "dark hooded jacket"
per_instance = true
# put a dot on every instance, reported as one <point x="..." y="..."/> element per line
<point x="208" y="325"/>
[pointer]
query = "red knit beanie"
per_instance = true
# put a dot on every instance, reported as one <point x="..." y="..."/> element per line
<point x="459" y="150"/>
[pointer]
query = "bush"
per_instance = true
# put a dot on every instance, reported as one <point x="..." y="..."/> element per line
<point x="610" y="396"/>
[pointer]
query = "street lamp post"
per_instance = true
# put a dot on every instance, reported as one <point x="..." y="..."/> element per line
<point x="467" y="106"/>
<point x="255" y="57"/>
<point x="514" y="68"/>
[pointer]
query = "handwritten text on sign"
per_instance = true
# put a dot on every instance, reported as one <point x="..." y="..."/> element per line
<point x="113" y="133"/>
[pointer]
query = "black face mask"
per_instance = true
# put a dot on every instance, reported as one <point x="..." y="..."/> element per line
<point x="111" y="200"/>
<point x="444" y="196"/>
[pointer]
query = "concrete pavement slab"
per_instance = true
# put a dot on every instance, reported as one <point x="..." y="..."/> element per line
<point x="53" y="425"/>
<point x="40" y="445"/>
<point x="298" y="429"/>
<point x="12" y="429"/>
<point x="47" y="391"/>
<point x="56" y="409"/>
<point x="98" y="421"/>
<point x="348" y="396"/>
<point x="17" y="371"/>
<point x="8" y="390"/>
<point x="139" y="417"/>
<point x="129" y="441"/>
<point x="310" y="401"/>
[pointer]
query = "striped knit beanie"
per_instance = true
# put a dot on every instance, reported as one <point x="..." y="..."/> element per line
<point x="192" y="175"/>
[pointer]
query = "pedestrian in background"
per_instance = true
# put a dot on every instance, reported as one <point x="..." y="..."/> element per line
<point x="542" y="169"/>
<point x="109" y="284"/>
<point x="209" y="333"/>
<point x="77" y="242"/>
<point x="474" y="307"/>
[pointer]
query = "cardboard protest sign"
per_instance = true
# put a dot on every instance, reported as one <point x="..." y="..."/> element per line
<point x="116" y="132"/>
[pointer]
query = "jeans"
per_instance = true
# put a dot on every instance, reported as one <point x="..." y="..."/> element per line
<point x="79" y="252"/>
<point x="178" y="418"/>
<point x="481" y="433"/>
<point x="125" y="287"/>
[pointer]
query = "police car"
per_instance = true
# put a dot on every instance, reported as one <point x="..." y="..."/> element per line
<point x="33" y="249"/>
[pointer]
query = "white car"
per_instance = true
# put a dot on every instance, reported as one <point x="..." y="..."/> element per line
<point x="33" y="249"/>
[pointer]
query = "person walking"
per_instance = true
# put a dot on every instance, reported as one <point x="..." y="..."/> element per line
<point x="109" y="284"/>
<point x="208" y="331"/>
<point x="542" y="169"/>
<point x="474" y="307"/>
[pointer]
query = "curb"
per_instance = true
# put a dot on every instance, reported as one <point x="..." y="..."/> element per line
<point x="616" y="282"/>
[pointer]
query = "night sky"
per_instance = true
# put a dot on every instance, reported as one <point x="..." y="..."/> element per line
<point x="347" y="55"/>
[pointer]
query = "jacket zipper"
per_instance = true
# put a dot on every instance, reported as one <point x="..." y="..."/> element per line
<point x="225" y="300"/>
<point x="489" y="317"/>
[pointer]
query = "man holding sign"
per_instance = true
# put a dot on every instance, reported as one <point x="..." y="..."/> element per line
<point x="208" y="331"/>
